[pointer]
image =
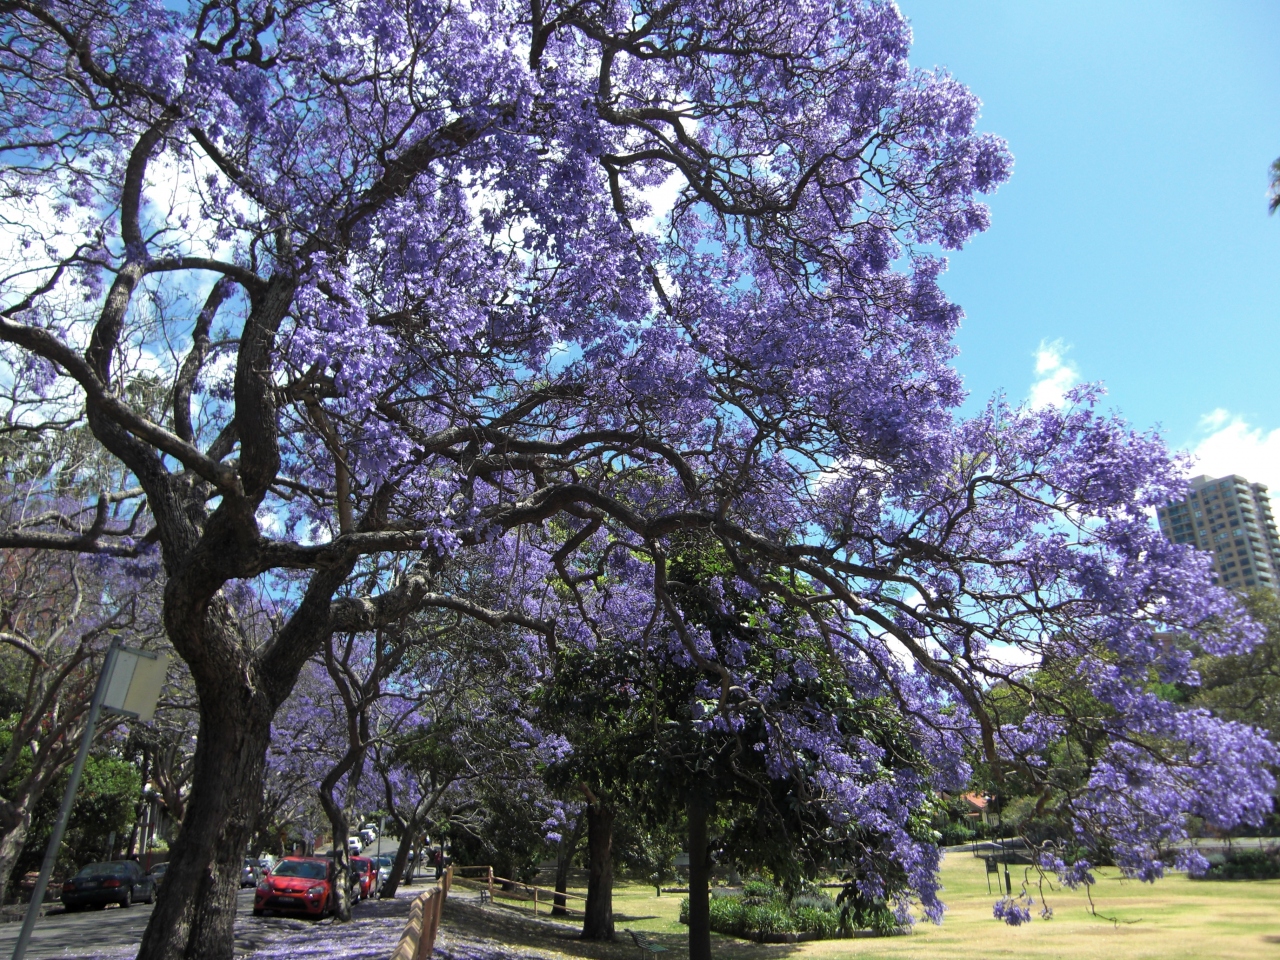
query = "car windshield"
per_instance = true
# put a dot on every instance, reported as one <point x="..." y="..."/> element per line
<point x="104" y="870"/>
<point x="307" y="869"/>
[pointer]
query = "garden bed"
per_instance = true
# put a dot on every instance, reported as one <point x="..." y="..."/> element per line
<point x="764" y="914"/>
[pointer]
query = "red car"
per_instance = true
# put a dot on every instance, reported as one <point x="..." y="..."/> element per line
<point x="367" y="871"/>
<point x="298" y="885"/>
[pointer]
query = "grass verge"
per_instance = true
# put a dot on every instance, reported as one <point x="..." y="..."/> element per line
<point x="1174" y="919"/>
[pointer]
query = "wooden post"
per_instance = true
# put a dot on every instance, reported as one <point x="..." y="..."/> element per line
<point x="535" y="901"/>
<point x="428" y="942"/>
<point x="491" y="884"/>
<point x="410" y="946"/>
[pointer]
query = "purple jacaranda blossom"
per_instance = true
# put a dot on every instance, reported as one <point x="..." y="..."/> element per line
<point x="473" y="308"/>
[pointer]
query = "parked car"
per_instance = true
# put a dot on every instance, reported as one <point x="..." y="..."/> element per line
<point x="116" y="881"/>
<point x="354" y="846"/>
<point x="368" y="874"/>
<point x="250" y="873"/>
<point x="265" y="863"/>
<point x="383" y="864"/>
<point x="158" y="871"/>
<point x="297" y="885"/>
<point x="368" y="834"/>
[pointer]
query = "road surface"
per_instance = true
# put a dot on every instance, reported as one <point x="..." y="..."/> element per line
<point x="59" y="934"/>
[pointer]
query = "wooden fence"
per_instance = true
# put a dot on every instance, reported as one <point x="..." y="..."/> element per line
<point x="419" y="937"/>
<point x="527" y="893"/>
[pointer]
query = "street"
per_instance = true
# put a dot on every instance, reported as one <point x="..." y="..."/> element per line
<point x="117" y="932"/>
<point x="110" y="930"/>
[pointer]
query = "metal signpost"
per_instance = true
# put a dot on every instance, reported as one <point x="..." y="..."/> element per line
<point x="130" y="685"/>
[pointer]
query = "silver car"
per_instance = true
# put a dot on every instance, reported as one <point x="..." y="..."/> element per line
<point x="250" y="873"/>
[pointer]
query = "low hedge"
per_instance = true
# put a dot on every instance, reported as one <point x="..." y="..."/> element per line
<point x="1245" y="865"/>
<point x="763" y="913"/>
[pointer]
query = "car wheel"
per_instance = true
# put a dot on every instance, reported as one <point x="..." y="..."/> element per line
<point x="127" y="900"/>
<point x="257" y="912"/>
<point x="151" y="893"/>
<point x="72" y="907"/>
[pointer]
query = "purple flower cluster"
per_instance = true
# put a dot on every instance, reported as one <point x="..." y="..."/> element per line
<point x="1014" y="911"/>
<point x="462" y="371"/>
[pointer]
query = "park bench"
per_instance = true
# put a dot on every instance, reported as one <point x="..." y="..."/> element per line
<point x="646" y="945"/>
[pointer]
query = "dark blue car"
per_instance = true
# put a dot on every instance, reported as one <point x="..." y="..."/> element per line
<point x="116" y="881"/>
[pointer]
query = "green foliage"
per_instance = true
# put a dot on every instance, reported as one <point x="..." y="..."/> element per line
<point x="505" y="832"/>
<point x="762" y="910"/>
<point x="861" y="913"/>
<point x="647" y="854"/>
<point x="759" y="888"/>
<point x="105" y="803"/>
<point x="1247" y="687"/>
<point x="1246" y="865"/>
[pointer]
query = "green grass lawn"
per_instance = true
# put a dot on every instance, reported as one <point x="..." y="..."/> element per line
<point x="1172" y="919"/>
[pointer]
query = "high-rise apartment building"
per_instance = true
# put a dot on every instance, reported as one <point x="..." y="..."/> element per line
<point x="1230" y="518"/>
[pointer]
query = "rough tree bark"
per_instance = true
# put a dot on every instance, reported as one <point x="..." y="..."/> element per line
<point x="699" y="811"/>
<point x="195" y="915"/>
<point x="11" y="844"/>
<point x="598" y="922"/>
<point x="401" y="860"/>
<point x="340" y="824"/>
<point x="568" y="847"/>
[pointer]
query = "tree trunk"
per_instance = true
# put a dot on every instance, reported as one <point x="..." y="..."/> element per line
<point x="195" y="910"/>
<point x="568" y="847"/>
<point x="139" y="808"/>
<point x="598" y="923"/>
<point x="699" y="811"/>
<point x="340" y="826"/>
<point x="11" y="844"/>
<point x="400" y="862"/>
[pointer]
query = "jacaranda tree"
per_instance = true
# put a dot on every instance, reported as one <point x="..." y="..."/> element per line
<point x="543" y="281"/>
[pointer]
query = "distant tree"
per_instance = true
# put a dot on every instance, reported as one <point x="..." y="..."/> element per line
<point x="1246" y="687"/>
<point x="104" y="812"/>
<point x="58" y="615"/>
<point x="333" y="280"/>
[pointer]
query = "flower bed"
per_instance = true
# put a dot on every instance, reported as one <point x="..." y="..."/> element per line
<point x="764" y="914"/>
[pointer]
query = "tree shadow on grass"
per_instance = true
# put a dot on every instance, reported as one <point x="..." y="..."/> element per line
<point x="467" y="929"/>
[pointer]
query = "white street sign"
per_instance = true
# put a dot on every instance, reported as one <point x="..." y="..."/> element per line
<point x="135" y="681"/>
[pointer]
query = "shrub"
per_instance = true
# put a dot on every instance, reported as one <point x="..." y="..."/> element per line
<point x="825" y="923"/>
<point x="812" y="899"/>
<point x="771" y="917"/>
<point x="1246" y="865"/>
<point x="767" y="912"/>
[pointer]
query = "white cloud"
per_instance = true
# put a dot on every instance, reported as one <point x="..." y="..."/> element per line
<point x="1230" y="444"/>
<point x="1055" y="375"/>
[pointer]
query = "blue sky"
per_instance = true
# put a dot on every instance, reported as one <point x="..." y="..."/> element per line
<point x="1133" y="243"/>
